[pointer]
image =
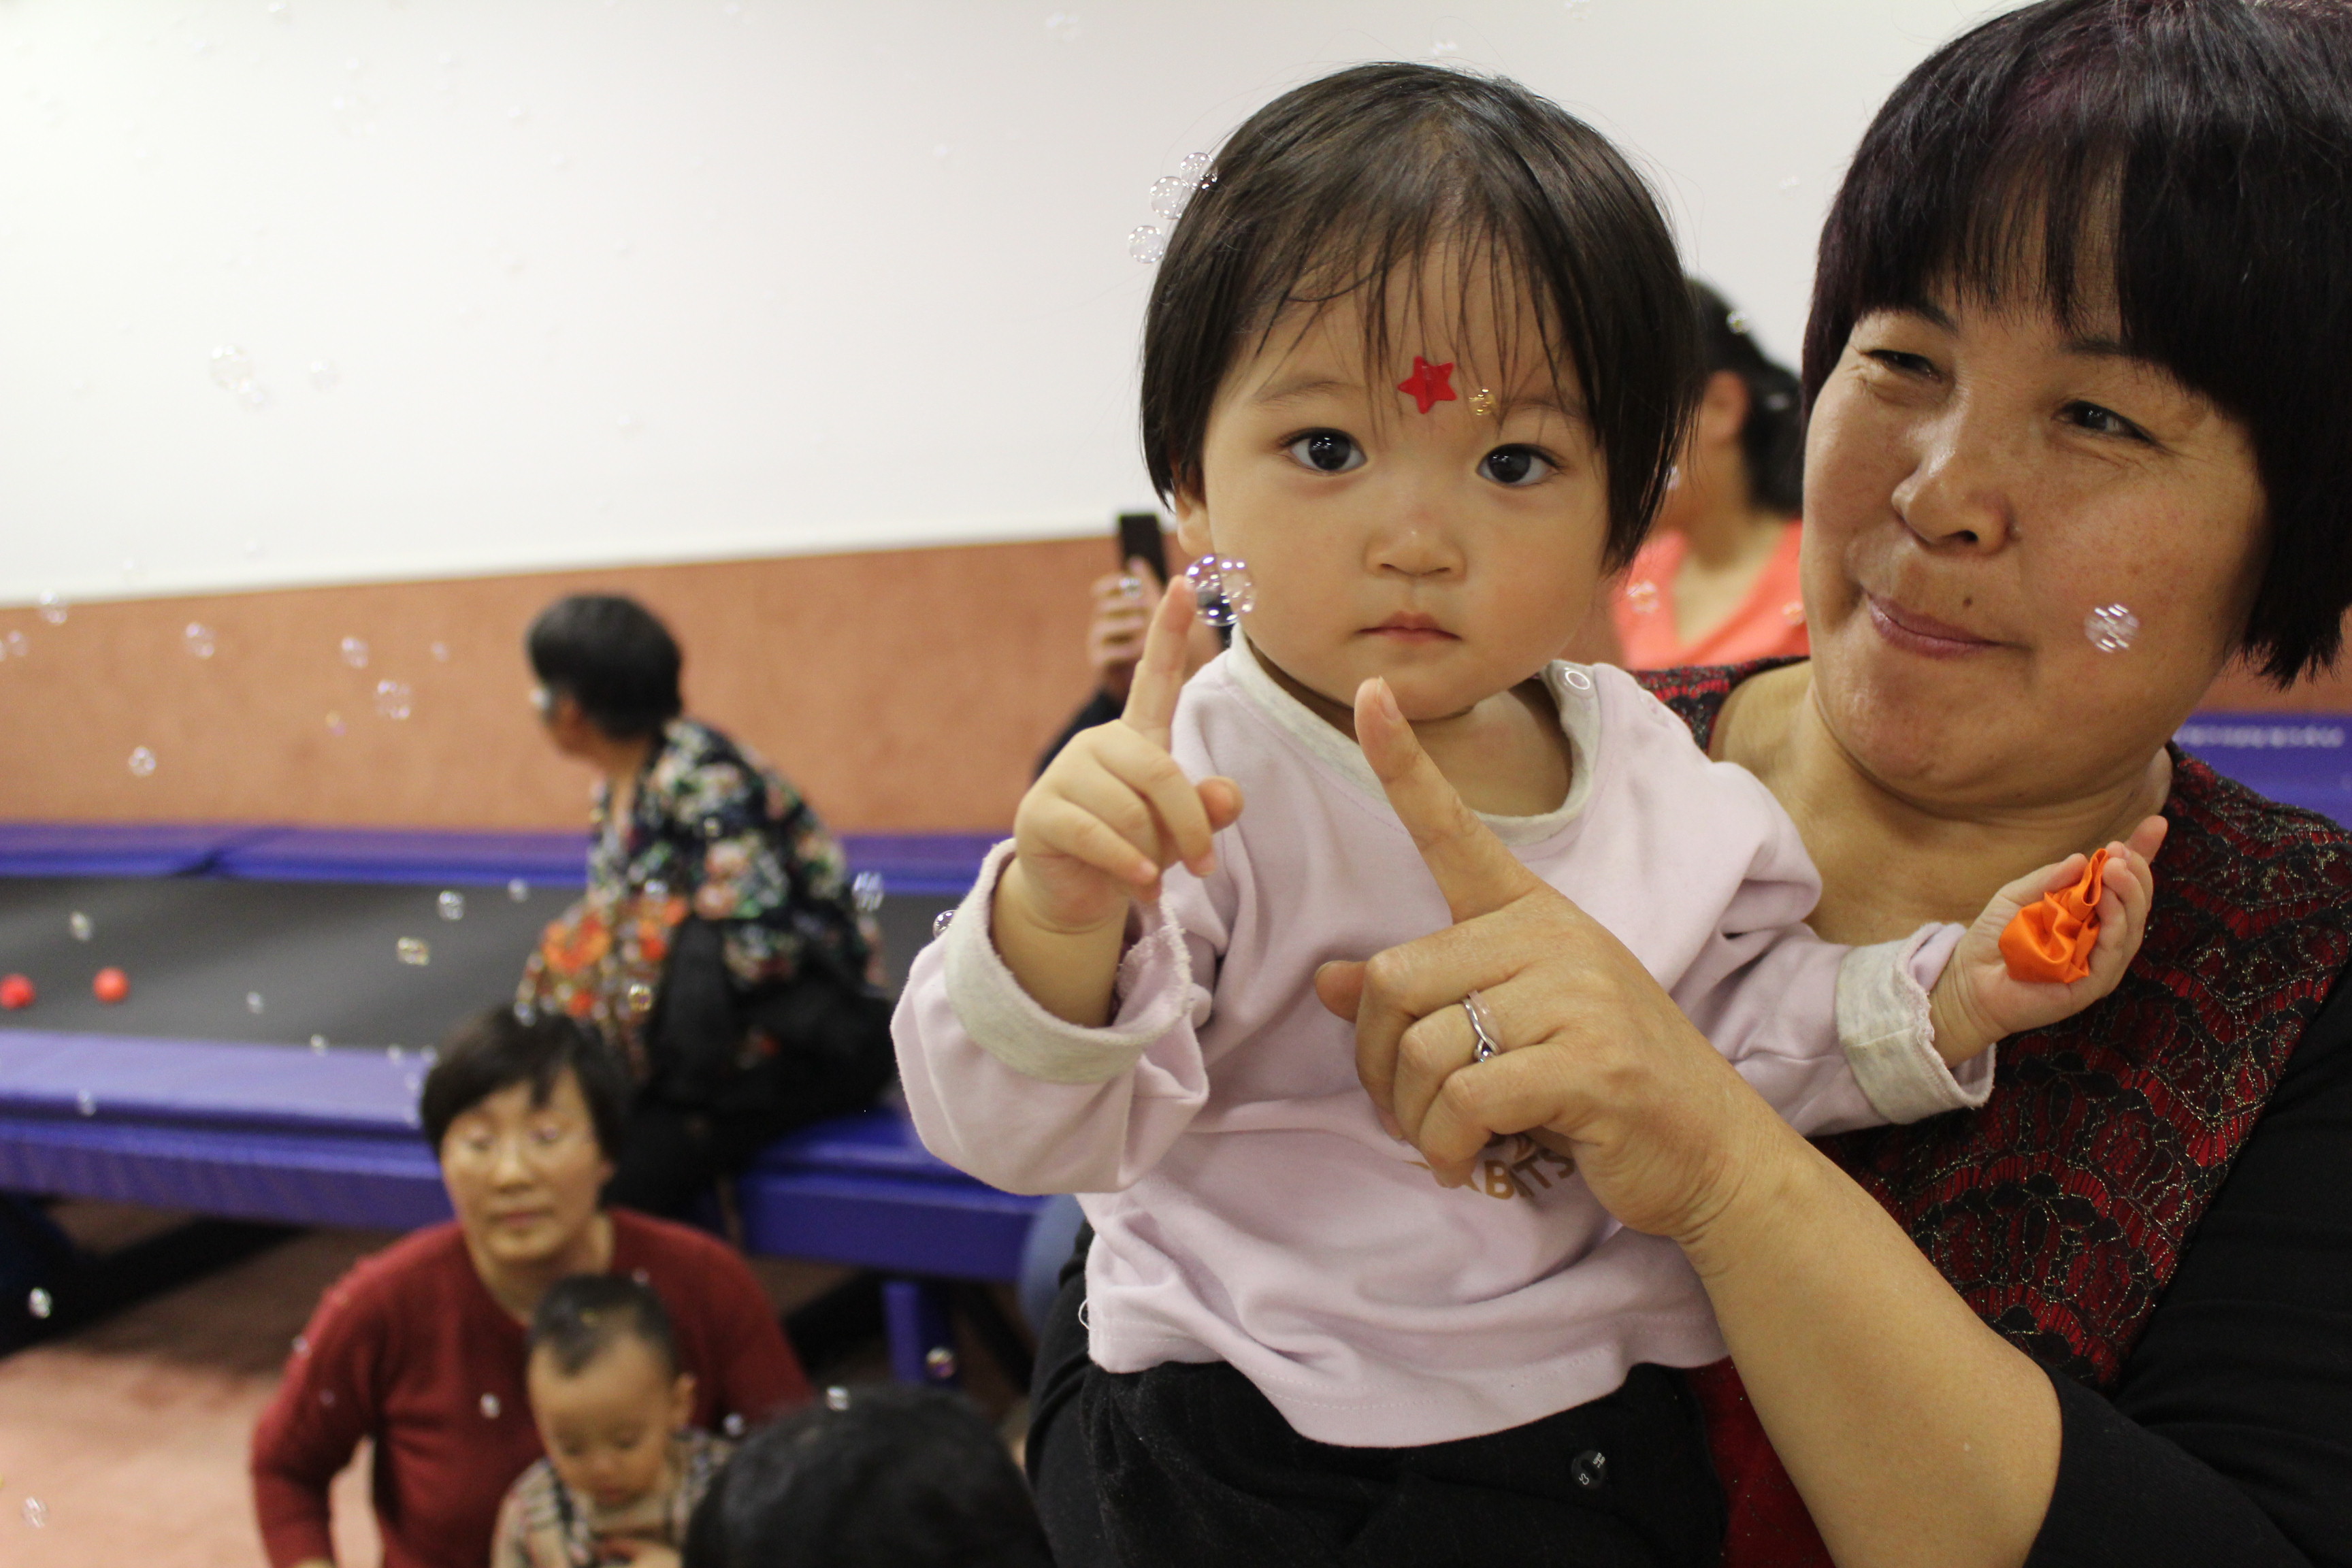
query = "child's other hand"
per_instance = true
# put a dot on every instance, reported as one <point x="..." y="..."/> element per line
<point x="1978" y="1001"/>
<point x="1114" y="810"/>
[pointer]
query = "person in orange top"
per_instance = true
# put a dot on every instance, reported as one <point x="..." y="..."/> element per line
<point x="1717" y="584"/>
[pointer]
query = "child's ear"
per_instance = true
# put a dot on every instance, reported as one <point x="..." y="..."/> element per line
<point x="681" y="1402"/>
<point x="1192" y="535"/>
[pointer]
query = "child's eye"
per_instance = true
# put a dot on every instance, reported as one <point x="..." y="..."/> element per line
<point x="1327" y="452"/>
<point x="1515" y="466"/>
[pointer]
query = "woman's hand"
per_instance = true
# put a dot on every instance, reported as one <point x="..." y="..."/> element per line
<point x="1116" y="632"/>
<point x="1596" y="1060"/>
<point x="1094" y="831"/>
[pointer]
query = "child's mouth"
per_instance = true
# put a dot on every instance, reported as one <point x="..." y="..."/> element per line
<point x="1412" y="626"/>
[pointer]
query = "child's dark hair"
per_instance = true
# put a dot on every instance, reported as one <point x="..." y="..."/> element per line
<point x="1773" y="439"/>
<point x="888" y="1476"/>
<point x="498" y="1047"/>
<point x="1346" y="187"/>
<point x="612" y="657"/>
<point x="583" y="1316"/>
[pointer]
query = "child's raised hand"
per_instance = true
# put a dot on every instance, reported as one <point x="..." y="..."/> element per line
<point x="1114" y="810"/>
<point x="1978" y="1001"/>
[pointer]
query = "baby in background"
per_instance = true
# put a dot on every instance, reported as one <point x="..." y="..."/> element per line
<point x="624" y="1467"/>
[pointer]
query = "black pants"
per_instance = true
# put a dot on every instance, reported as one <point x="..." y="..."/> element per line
<point x="832" y="1058"/>
<point x="1189" y="1464"/>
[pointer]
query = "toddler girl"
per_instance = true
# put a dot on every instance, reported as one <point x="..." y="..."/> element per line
<point x="1420" y="354"/>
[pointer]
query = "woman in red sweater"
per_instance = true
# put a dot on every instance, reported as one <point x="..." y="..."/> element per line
<point x="420" y="1347"/>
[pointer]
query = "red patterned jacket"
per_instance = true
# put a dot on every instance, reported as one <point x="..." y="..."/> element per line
<point x="2060" y="1209"/>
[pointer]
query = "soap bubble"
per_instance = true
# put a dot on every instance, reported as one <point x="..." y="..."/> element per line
<point x="518" y="890"/>
<point x="1793" y="612"/>
<point x="324" y="375"/>
<point x="37" y="1514"/>
<point x="301" y="1344"/>
<point x="1195" y="167"/>
<point x="200" y="639"/>
<point x="2111" y="628"/>
<point x="939" y="923"/>
<point x="53" y="609"/>
<point x="1063" y="25"/>
<point x="254" y="397"/>
<point x="440" y="652"/>
<point x="38" y="1303"/>
<point x="334" y="723"/>
<point x="733" y="1425"/>
<point x="641" y="997"/>
<point x="1221" y="585"/>
<point x="490" y="1406"/>
<point x="232" y="369"/>
<point x="392" y="1053"/>
<point x="1641" y="597"/>
<point x="866" y="892"/>
<point x="81" y="927"/>
<point x="253" y="1003"/>
<point x="355" y="653"/>
<point x="393" y="700"/>
<point x="142" y="762"/>
<point x="17" y="644"/>
<point x="452" y="906"/>
<point x="1147" y="244"/>
<point x="319" y="1042"/>
<point x="86" y="1102"/>
<point x="1170" y="195"/>
<point x="836" y="1399"/>
<point x="658" y="891"/>
<point x="414" y="952"/>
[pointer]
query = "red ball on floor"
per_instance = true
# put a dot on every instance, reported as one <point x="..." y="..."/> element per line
<point x="16" y="992"/>
<point x="110" y="985"/>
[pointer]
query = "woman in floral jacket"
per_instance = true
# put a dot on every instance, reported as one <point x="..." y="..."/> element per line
<point x="720" y="945"/>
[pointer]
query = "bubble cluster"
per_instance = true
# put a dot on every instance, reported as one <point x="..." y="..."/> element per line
<point x="416" y="951"/>
<point x="1147" y="244"/>
<point x="451" y="905"/>
<point x="81" y="926"/>
<point x="142" y="762"/>
<point x="866" y="892"/>
<point x="1221" y="585"/>
<point x="355" y="653"/>
<point x="2111" y="628"/>
<point x="393" y="700"/>
<point x="38" y="1303"/>
<point x="199" y="639"/>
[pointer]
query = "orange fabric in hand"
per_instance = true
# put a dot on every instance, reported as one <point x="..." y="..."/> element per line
<point x="2052" y="937"/>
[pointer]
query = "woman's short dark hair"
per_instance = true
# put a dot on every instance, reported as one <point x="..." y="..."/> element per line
<point x="503" y="1046"/>
<point x="582" y="1316"/>
<point x="1773" y="441"/>
<point x="2188" y="158"/>
<point x="612" y="657"/>
<point x="886" y="1476"/>
<point x="1345" y="186"/>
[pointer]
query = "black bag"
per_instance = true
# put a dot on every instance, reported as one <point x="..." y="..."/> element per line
<point x="813" y="1036"/>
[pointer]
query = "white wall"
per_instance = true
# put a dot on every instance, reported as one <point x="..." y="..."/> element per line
<point x="657" y="280"/>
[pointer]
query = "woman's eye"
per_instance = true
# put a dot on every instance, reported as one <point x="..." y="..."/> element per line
<point x="1515" y="466"/>
<point x="1895" y="359"/>
<point x="2102" y="421"/>
<point x="1327" y="452"/>
<point x="547" y="1134"/>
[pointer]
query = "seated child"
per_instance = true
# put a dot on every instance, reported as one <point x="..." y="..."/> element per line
<point x="624" y="1468"/>
<point x="891" y="1476"/>
<point x="1421" y="356"/>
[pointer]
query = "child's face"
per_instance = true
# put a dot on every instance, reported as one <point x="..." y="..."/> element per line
<point x="1453" y="552"/>
<point x="607" y="1426"/>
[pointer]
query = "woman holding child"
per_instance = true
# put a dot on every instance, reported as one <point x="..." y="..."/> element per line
<point x="423" y="1349"/>
<point x="2080" y="435"/>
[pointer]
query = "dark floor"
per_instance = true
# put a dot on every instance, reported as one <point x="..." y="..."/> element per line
<point x="317" y="958"/>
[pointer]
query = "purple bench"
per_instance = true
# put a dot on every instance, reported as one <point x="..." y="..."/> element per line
<point x="268" y="1132"/>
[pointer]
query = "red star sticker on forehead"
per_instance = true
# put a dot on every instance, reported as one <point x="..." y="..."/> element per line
<point x="1430" y="383"/>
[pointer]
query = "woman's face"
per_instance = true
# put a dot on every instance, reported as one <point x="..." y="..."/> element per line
<point x="1976" y="485"/>
<point x="524" y="1176"/>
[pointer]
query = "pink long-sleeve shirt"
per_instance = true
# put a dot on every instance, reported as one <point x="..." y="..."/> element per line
<point x="1248" y="1207"/>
